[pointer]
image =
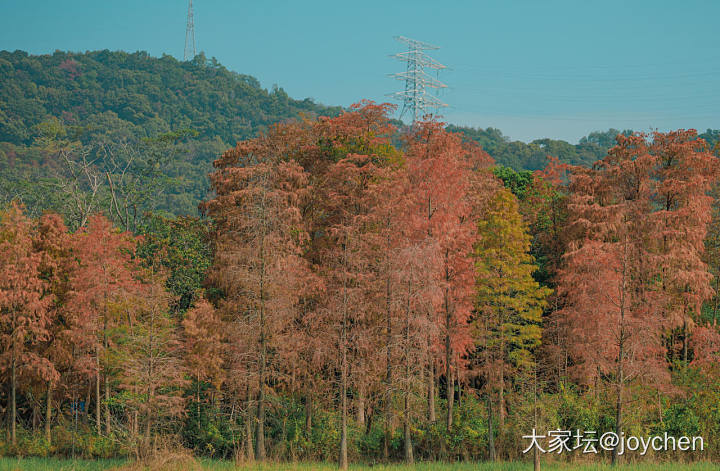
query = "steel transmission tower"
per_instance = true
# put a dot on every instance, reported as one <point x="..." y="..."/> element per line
<point x="190" y="35"/>
<point x="416" y="96"/>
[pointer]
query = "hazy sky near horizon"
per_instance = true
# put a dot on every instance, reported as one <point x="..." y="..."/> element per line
<point x="533" y="69"/>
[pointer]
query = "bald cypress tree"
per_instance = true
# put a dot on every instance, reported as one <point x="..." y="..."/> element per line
<point x="509" y="301"/>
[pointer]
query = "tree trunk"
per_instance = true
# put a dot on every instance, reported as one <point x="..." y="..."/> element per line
<point x="406" y="427"/>
<point x="457" y="383"/>
<point x="448" y="351"/>
<point x="361" y="406"/>
<point x="97" y="392"/>
<point x="491" y="434"/>
<point x="501" y="399"/>
<point x="308" y="415"/>
<point x="250" y="453"/>
<point x="13" y="388"/>
<point x="621" y="355"/>
<point x="148" y="424"/>
<point x="342" y="458"/>
<point x="406" y="412"/>
<point x="88" y="395"/>
<point x="260" y="431"/>
<point x="107" y="406"/>
<point x="48" y="412"/>
<point x="501" y="392"/>
<point x="618" y="414"/>
<point x="260" y="438"/>
<point x="431" y="390"/>
<point x="388" y="372"/>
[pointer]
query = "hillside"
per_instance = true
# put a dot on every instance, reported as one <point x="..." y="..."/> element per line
<point x="146" y="94"/>
<point x="93" y="101"/>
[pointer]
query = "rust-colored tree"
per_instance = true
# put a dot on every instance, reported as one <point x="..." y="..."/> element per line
<point x="611" y="302"/>
<point x="684" y="172"/>
<point x="445" y="180"/>
<point x="151" y="370"/>
<point x="346" y="267"/>
<point x="101" y="283"/>
<point x="348" y="158"/>
<point x="52" y="242"/>
<point x="204" y="336"/>
<point x="24" y="309"/>
<point x="258" y="236"/>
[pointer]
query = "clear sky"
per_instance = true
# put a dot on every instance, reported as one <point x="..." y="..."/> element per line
<point x="532" y="68"/>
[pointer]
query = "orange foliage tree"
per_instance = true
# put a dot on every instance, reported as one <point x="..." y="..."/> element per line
<point x="24" y="308"/>
<point x="101" y="280"/>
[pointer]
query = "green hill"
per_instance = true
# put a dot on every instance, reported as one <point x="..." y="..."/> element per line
<point x="101" y="102"/>
<point x="146" y="94"/>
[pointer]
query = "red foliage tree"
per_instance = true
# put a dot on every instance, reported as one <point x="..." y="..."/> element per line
<point x="634" y="266"/>
<point x="445" y="184"/>
<point x="151" y="369"/>
<point x="258" y="264"/>
<point x="52" y="242"/>
<point x="103" y="277"/>
<point x="684" y="172"/>
<point x="204" y="334"/>
<point x="24" y="307"/>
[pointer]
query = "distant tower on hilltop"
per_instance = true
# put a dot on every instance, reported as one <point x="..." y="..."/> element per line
<point x="190" y="35"/>
<point x="416" y="98"/>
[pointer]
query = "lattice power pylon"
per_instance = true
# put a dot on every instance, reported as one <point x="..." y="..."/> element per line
<point x="190" y="35"/>
<point x="416" y="97"/>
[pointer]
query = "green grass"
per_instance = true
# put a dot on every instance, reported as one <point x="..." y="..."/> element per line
<point x="57" y="464"/>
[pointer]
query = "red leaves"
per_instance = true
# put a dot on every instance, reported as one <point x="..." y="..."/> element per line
<point x="638" y="220"/>
<point x="24" y="305"/>
<point x="328" y="239"/>
<point x="706" y="346"/>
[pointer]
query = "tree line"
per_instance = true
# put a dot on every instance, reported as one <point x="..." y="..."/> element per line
<point x="363" y="293"/>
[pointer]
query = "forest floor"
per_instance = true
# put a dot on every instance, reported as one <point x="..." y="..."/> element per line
<point x="58" y="464"/>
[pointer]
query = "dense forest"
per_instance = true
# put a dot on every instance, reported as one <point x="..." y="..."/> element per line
<point x="359" y="300"/>
<point x="353" y="289"/>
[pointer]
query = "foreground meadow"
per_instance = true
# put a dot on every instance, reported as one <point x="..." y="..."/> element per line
<point x="189" y="464"/>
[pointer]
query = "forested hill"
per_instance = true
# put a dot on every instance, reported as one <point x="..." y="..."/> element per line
<point x="147" y="95"/>
<point x="126" y="114"/>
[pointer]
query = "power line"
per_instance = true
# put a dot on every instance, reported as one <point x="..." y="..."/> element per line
<point x="190" y="35"/>
<point x="416" y="97"/>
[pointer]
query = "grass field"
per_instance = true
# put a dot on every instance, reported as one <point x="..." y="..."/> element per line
<point x="54" y="464"/>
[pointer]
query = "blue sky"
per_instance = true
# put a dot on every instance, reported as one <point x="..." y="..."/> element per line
<point x="531" y="68"/>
